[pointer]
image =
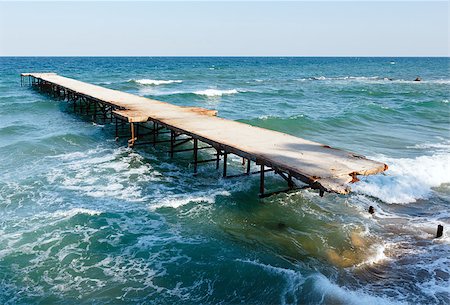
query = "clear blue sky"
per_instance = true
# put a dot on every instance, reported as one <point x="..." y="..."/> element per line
<point x="294" y="28"/>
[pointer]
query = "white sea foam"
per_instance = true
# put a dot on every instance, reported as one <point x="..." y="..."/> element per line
<point x="334" y="294"/>
<point x="378" y="255"/>
<point x="350" y="78"/>
<point x="215" y="92"/>
<point x="99" y="173"/>
<point x="407" y="179"/>
<point x="329" y="292"/>
<point x="177" y="201"/>
<point x="437" y="147"/>
<point x="294" y="280"/>
<point x="375" y="79"/>
<point x="75" y="211"/>
<point x="155" y="82"/>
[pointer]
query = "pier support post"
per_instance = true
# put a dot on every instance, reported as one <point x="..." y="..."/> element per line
<point x="116" y="129"/>
<point x="94" y="117"/>
<point x="217" y="158"/>
<point x="261" y="181"/>
<point x="132" y="140"/>
<point x="172" y="140"/>
<point x="155" y="127"/>
<point x="290" y="182"/>
<point x="195" y="155"/>
<point x="248" y="167"/>
<point x="225" y="156"/>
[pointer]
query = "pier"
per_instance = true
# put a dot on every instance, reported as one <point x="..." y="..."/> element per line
<point x="301" y="163"/>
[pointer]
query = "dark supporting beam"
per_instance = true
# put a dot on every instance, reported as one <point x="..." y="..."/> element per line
<point x="155" y="132"/>
<point x="217" y="158"/>
<point x="116" y="120"/>
<point x="172" y="140"/>
<point x="195" y="155"/>
<point x="133" y="138"/>
<point x="261" y="181"/>
<point x="225" y="157"/>
<point x="249" y="173"/>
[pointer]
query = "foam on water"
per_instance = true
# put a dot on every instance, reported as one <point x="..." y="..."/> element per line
<point x="328" y="292"/>
<point x="117" y="173"/>
<point x="334" y="294"/>
<point x="408" y="179"/>
<point x="373" y="79"/>
<point x="155" y="82"/>
<point x="378" y="255"/>
<point x="293" y="280"/>
<point x="176" y="201"/>
<point x="215" y="92"/>
<point x="75" y="211"/>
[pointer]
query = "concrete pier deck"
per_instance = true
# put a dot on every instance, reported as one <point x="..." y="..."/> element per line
<point x="316" y="165"/>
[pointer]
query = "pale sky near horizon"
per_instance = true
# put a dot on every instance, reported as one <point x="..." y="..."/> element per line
<point x="184" y="28"/>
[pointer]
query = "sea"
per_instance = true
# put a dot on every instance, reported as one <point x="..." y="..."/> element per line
<point x="86" y="220"/>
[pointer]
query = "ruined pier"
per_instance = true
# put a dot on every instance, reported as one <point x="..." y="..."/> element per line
<point x="301" y="163"/>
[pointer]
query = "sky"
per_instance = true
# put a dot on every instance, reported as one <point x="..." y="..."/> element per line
<point x="233" y="28"/>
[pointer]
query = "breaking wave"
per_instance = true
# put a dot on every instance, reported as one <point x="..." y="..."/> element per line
<point x="408" y="179"/>
<point x="323" y="288"/>
<point x="215" y="92"/>
<point x="374" y="79"/>
<point x="155" y="82"/>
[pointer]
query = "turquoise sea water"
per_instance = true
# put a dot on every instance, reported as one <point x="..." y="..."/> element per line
<point x="83" y="219"/>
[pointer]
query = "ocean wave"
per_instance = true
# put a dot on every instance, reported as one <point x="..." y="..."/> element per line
<point x="294" y="280"/>
<point x="75" y="211"/>
<point x="119" y="173"/>
<point x="177" y="201"/>
<point x="209" y="93"/>
<point x="328" y="292"/>
<point x="215" y="92"/>
<point x="335" y="294"/>
<point x="445" y="146"/>
<point x="354" y="78"/>
<point x="155" y="82"/>
<point x="374" y="79"/>
<point x="408" y="179"/>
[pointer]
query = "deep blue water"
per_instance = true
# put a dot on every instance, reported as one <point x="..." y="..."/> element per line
<point x="85" y="219"/>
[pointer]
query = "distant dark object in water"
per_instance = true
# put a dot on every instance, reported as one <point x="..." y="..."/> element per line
<point x="371" y="210"/>
<point x="281" y="225"/>
<point x="440" y="231"/>
<point x="418" y="79"/>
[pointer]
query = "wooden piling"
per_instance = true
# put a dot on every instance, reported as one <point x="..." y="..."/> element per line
<point x="440" y="231"/>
